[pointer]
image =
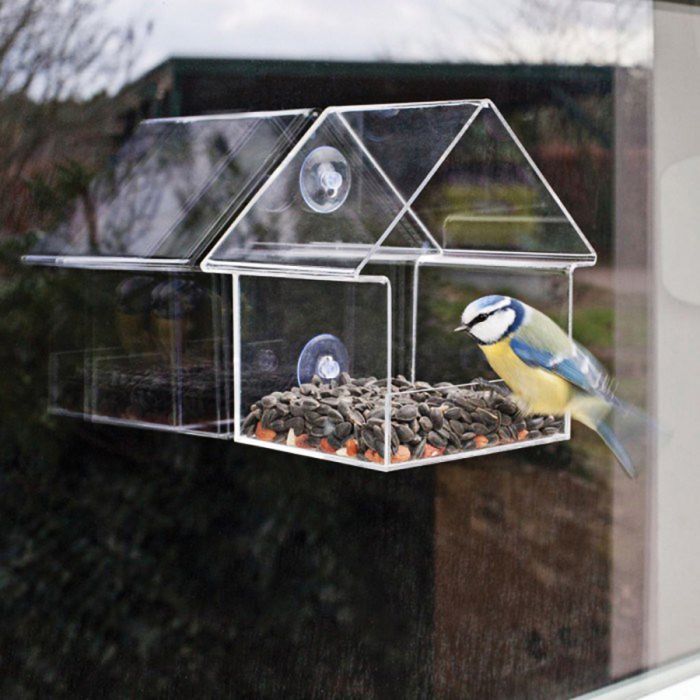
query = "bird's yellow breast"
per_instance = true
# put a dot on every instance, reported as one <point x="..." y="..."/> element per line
<point x="542" y="391"/>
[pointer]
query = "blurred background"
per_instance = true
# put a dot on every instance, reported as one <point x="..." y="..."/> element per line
<point x="137" y="562"/>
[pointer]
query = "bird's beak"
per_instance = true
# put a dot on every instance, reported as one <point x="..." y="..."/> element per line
<point x="461" y="329"/>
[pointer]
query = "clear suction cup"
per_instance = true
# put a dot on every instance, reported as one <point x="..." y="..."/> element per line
<point x="324" y="179"/>
<point x="325" y="356"/>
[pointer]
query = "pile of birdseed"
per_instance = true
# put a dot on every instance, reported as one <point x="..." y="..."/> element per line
<point x="346" y="417"/>
<point x="144" y="391"/>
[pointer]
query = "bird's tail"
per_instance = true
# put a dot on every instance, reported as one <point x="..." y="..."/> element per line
<point x="622" y="427"/>
<point x="617" y="448"/>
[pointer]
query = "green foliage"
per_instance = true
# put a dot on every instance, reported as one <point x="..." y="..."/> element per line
<point x="594" y="326"/>
<point x="26" y="296"/>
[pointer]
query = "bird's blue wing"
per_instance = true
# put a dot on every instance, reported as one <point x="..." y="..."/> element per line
<point x="576" y="365"/>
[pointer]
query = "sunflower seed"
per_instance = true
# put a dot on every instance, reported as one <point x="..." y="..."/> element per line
<point x="343" y="429"/>
<point x="436" y="439"/>
<point x="454" y="438"/>
<point x="453" y="413"/>
<point x="404" y="432"/>
<point x="436" y="418"/>
<point x="334" y="442"/>
<point x="295" y="424"/>
<point x="334" y="415"/>
<point x="426" y="424"/>
<point x="251" y="419"/>
<point x="463" y="402"/>
<point x="407" y="412"/>
<point x="356" y="417"/>
<point x="268" y="401"/>
<point x="508" y="407"/>
<point x="457" y="427"/>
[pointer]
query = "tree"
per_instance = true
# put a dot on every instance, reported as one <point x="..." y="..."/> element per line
<point x="59" y="63"/>
<point x="554" y="31"/>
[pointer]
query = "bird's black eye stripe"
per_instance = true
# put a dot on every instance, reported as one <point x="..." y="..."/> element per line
<point x="479" y="319"/>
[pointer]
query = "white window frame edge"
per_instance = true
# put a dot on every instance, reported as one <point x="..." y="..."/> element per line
<point x="679" y="679"/>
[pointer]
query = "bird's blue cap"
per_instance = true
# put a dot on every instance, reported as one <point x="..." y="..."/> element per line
<point x="489" y="300"/>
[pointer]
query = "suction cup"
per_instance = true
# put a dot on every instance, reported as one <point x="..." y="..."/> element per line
<point x="324" y="179"/>
<point x="325" y="356"/>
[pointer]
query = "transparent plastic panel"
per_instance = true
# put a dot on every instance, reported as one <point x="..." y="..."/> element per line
<point x="481" y="415"/>
<point x="408" y="141"/>
<point x="173" y="185"/>
<point x="155" y="352"/>
<point x="403" y="279"/>
<point x="314" y="373"/>
<point x="446" y="401"/>
<point x="312" y="362"/>
<point x="381" y="182"/>
<point x="443" y="292"/>
<point x="328" y="206"/>
<point x="488" y="196"/>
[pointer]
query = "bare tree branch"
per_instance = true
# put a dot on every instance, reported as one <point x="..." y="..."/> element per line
<point x="54" y="54"/>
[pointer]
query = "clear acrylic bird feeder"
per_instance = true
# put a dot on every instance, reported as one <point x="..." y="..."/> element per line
<point x="344" y="246"/>
<point x="140" y="335"/>
<point x="351" y="266"/>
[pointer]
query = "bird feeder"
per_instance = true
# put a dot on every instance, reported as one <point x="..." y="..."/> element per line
<point x="141" y="336"/>
<point x="346" y="266"/>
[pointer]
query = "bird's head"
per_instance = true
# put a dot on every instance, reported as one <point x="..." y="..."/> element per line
<point x="491" y="319"/>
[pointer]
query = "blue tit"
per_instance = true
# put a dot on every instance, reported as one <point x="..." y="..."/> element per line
<point x="547" y="371"/>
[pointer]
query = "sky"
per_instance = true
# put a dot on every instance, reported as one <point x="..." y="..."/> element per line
<point x="594" y="31"/>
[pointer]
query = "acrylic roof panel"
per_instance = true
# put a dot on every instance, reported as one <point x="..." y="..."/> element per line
<point x="339" y="198"/>
<point x="327" y="206"/>
<point x="171" y="188"/>
<point x="488" y="196"/>
<point x="400" y="180"/>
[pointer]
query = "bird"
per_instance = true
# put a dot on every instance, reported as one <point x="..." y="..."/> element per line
<point x="547" y="371"/>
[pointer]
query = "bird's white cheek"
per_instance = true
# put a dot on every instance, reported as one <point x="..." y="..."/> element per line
<point x="494" y="327"/>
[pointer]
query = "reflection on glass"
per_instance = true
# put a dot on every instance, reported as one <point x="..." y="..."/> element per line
<point x="171" y="186"/>
<point x="488" y="196"/>
<point x="155" y="352"/>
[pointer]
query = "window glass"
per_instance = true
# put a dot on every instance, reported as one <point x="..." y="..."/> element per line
<point x="178" y="562"/>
